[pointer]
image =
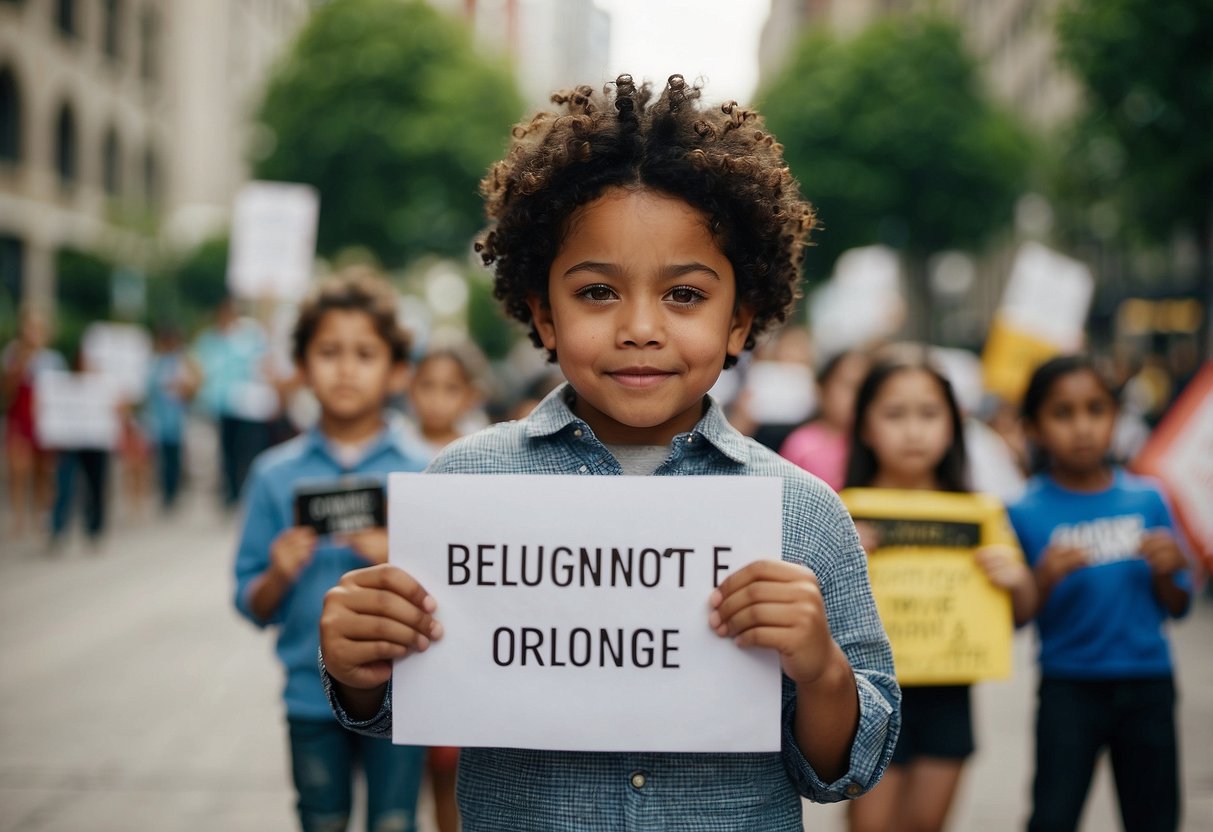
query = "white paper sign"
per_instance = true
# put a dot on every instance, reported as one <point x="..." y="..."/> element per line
<point x="273" y="243"/>
<point x="595" y="636"/>
<point x="123" y="352"/>
<point x="76" y="410"/>
<point x="1048" y="296"/>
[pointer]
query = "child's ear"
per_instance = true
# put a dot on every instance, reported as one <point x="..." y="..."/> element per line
<point x="541" y="315"/>
<point x="739" y="329"/>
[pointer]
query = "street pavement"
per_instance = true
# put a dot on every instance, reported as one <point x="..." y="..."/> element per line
<point x="135" y="699"/>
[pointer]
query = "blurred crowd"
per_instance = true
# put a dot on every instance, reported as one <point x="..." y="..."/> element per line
<point x="236" y="375"/>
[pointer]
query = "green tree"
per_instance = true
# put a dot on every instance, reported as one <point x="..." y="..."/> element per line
<point x="1141" y="148"/>
<point x="894" y="141"/>
<point x="82" y="289"/>
<point x="387" y="107"/>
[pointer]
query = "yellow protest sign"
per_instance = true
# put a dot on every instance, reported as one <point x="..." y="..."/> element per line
<point x="946" y="622"/>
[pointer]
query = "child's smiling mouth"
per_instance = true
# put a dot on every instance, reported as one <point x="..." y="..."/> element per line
<point x="640" y="377"/>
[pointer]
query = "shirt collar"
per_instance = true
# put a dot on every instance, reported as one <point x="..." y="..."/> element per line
<point x="554" y="414"/>
<point x="317" y="442"/>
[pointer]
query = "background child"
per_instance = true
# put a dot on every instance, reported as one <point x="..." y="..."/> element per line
<point x="822" y="445"/>
<point x="351" y="352"/>
<point x="907" y="435"/>
<point x="442" y="392"/>
<point x="29" y="466"/>
<point x="645" y="243"/>
<point x="172" y="381"/>
<point x="1109" y="572"/>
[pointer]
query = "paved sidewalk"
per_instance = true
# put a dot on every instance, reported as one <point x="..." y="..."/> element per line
<point x="135" y="699"/>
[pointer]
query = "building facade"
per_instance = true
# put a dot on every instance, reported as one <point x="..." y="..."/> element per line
<point x="124" y="125"/>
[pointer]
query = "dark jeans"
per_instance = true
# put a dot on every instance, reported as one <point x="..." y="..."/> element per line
<point x="168" y="455"/>
<point x="323" y="760"/>
<point x="240" y="440"/>
<point x="94" y="464"/>
<point x="1135" y="720"/>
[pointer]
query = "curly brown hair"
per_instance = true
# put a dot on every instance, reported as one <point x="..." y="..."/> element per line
<point x="353" y="289"/>
<point x="721" y="161"/>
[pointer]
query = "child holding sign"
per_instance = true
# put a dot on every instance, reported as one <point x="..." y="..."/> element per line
<point x="645" y="240"/>
<point x="907" y="435"/>
<point x="351" y="352"/>
<point x="1110" y="572"/>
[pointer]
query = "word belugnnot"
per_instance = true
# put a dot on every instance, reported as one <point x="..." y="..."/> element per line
<point x="491" y="564"/>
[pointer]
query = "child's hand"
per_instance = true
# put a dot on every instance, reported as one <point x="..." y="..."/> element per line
<point x="1002" y="565"/>
<point x="778" y="605"/>
<point x="372" y="617"/>
<point x="1057" y="561"/>
<point x="1161" y="550"/>
<point x="291" y="551"/>
<point x="368" y="544"/>
<point x="869" y="538"/>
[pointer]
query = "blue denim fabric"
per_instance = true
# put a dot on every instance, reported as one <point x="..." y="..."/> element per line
<point x="507" y="789"/>
<point x="324" y="757"/>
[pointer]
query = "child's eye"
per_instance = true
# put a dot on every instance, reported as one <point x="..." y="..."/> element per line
<point x="685" y="295"/>
<point x="598" y="292"/>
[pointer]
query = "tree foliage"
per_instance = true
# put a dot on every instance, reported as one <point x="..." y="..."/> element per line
<point x="391" y="112"/>
<point x="894" y="141"/>
<point x="1144" y="143"/>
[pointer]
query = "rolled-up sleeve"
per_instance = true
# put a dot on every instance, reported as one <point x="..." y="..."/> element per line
<point x="819" y="533"/>
<point x="378" y="726"/>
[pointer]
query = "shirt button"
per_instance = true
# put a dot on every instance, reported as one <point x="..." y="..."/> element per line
<point x="690" y="439"/>
<point x="577" y="432"/>
<point x="853" y="790"/>
<point x="583" y="469"/>
<point x="638" y="780"/>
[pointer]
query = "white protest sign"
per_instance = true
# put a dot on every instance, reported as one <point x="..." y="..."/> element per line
<point x="575" y="612"/>
<point x="862" y="301"/>
<point x="273" y="242"/>
<point x="122" y="352"/>
<point x="76" y="410"/>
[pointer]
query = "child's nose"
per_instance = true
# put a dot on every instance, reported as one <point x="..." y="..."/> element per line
<point x="639" y="325"/>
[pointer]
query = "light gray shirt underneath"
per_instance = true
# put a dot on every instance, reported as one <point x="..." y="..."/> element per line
<point x="639" y="460"/>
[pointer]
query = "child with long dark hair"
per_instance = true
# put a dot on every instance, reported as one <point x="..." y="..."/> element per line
<point x="1110" y="572"/>
<point x="907" y="435"/>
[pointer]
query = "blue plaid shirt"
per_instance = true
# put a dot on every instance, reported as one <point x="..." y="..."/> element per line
<point x="515" y="789"/>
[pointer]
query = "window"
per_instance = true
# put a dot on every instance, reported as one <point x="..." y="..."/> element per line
<point x="149" y="46"/>
<point x="112" y="32"/>
<point x="12" y="262"/>
<point x="10" y="118"/>
<point x="111" y="163"/>
<point x="66" y="152"/>
<point x="65" y="17"/>
<point x="151" y="179"/>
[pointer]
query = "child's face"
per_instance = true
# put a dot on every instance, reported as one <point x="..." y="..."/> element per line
<point x="349" y="367"/>
<point x="441" y="394"/>
<point x="641" y="315"/>
<point x="908" y="425"/>
<point x="1075" y="422"/>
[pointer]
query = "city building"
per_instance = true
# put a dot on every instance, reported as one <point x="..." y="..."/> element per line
<point x="547" y="41"/>
<point x="124" y="125"/>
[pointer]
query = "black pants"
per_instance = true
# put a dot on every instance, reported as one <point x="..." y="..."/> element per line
<point x="94" y="465"/>
<point x="1135" y="720"/>
<point x="240" y="441"/>
<point x="168" y="455"/>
